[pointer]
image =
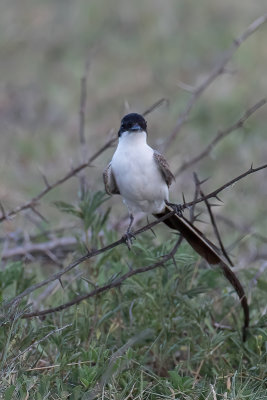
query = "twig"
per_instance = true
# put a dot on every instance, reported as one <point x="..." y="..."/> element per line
<point x="192" y="209"/>
<point x="40" y="341"/>
<point x="83" y="98"/>
<point x="215" y="193"/>
<point x="220" y="135"/>
<point x="43" y="248"/>
<point x="18" y="237"/>
<point x="80" y="260"/>
<point x="122" y="240"/>
<point x="33" y="202"/>
<point x="115" y="283"/>
<point x="155" y="106"/>
<point x="218" y="70"/>
<point x="213" y="222"/>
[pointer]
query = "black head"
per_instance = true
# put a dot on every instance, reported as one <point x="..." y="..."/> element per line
<point x="132" y="123"/>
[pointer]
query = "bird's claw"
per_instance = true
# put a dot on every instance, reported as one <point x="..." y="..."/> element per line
<point x="177" y="208"/>
<point x="128" y="239"/>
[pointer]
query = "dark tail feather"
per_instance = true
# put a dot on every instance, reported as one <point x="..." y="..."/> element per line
<point x="209" y="252"/>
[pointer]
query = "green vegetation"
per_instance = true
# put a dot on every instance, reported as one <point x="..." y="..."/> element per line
<point x="153" y="337"/>
<point x="173" y="332"/>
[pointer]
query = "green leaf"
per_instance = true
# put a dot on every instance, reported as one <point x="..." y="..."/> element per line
<point x="67" y="208"/>
<point x="182" y="383"/>
<point x="9" y="392"/>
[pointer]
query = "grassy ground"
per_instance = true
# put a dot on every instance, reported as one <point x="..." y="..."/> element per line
<point x="154" y="337"/>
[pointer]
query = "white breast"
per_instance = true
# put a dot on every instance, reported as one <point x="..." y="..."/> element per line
<point x="137" y="175"/>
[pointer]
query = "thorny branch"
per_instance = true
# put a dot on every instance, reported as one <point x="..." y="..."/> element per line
<point x="218" y="70"/>
<point x="34" y="201"/>
<point x="215" y="193"/>
<point x="117" y="282"/>
<point x="90" y="254"/>
<point x="94" y="253"/>
<point x="213" y="222"/>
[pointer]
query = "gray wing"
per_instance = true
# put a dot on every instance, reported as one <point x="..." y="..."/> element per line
<point x="164" y="168"/>
<point x="109" y="181"/>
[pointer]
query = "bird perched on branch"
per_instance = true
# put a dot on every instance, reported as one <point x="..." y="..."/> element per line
<point x="142" y="177"/>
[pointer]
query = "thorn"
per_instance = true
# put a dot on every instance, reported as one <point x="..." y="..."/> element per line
<point x="251" y="167"/>
<point x="151" y="229"/>
<point x="126" y="106"/>
<point x="174" y="262"/>
<point x="87" y="249"/>
<point x="204" y="180"/>
<point x="183" y="198"/>
<point x="39" y="214"/>
<point x="60" y="281"/>
<point x="197" y="215"/>
<point x="153" y="232"/>
<point x="218" y="198"/>
<point x="44" y="178"/>
<point x="3" y="211"/>
<point x="215" y="205"/>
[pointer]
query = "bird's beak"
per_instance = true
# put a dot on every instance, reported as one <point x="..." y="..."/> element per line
<point x="136" y="127"/>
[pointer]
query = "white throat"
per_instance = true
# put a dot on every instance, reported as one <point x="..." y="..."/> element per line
<point x="133" y="138"/>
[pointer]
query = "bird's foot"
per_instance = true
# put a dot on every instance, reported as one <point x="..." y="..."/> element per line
<point x="128" y="239"/>
<point x="177" y="208"/>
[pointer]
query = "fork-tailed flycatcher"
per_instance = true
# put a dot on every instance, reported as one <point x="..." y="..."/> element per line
<point x="142" y="177"/>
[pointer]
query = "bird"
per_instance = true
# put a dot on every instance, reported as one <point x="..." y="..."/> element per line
<point x="142" y="176"/>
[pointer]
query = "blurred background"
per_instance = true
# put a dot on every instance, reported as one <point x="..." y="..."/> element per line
<point x="139" y="52"/>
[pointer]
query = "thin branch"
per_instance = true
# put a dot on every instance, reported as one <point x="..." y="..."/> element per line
<point x="218" y="70"/>
<point x="220" y="135"/>
<point x="31" y="203"/>
<point x="215" y="193"/>
<point x="155" y="106"/>
<point x="213" y="222"/>
<point x="115" y="283"/>
<point x="40" y="341"/>
<point x="37" y="248"/>
<point x="122" y="240"/>
<point x="83" y="99"/>
<point x="192" y="209"/>
<point x="80" y="260"/>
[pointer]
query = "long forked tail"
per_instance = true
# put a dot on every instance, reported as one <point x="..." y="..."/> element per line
<point x="209" y="252"/>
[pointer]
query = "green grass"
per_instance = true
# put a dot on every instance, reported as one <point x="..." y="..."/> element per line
<point x="151" y="338"/>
